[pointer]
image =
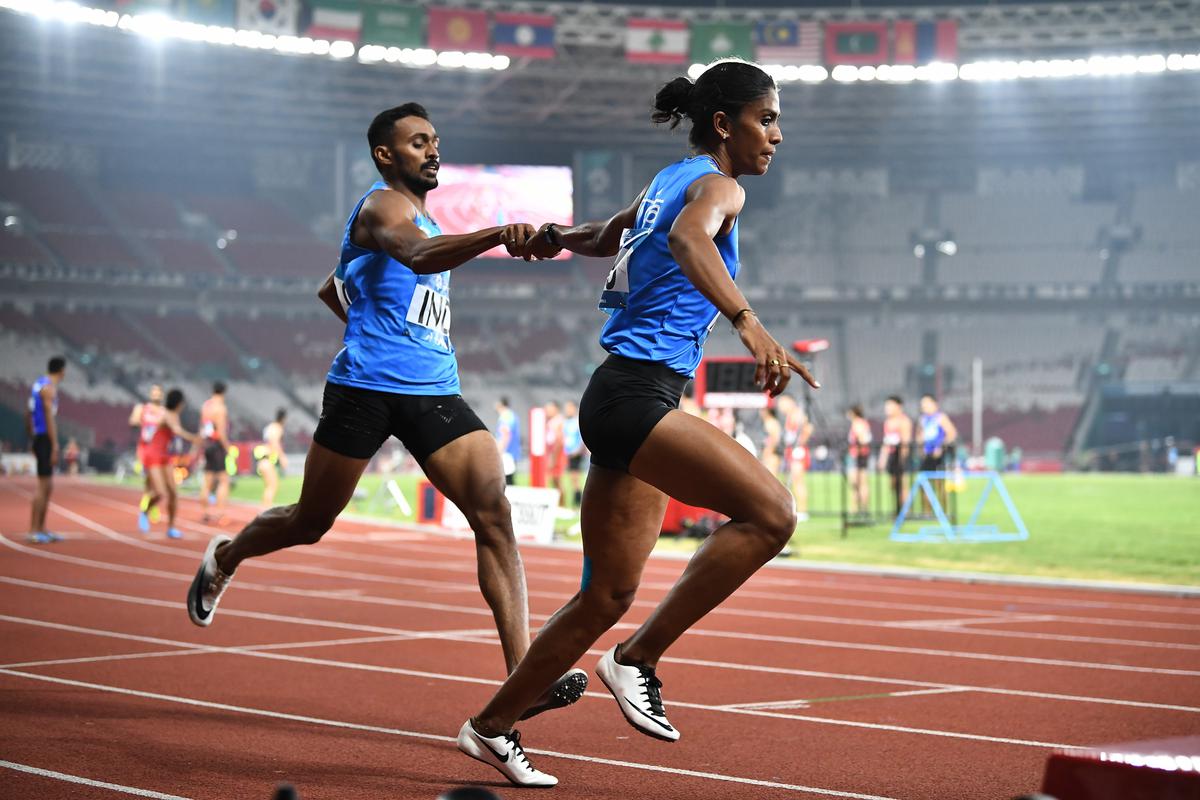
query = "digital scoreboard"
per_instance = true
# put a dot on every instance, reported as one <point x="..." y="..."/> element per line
<point x="728" y="382"/>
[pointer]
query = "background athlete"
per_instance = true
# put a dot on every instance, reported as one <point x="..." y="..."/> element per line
<point x="508" y="439"/>
<point x="797" y="431"/>
<point x="894" y="455"/>
<point x="157" y="458"/>
<point x="214" y="430"/>
<point x="673" y="279"/>
<point x="935" y="434"/>
<point x="270" y="458"/>
<point x="41" y="423"/>
<point x="145" y="417"/>
<point x="397" y="375"/>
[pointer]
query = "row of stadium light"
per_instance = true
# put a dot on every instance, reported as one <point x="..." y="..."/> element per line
<point x="1095" y="66"/>
<point x="158" y="26"/>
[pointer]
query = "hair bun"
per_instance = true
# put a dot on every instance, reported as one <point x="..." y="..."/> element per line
<point x="674" y="101"/>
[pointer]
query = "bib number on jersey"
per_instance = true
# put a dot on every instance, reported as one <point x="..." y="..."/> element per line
<point x="616" y="286"/>
<point x="430" y="310"/>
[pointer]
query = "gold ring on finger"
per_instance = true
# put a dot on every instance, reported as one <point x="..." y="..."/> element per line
<point x="774" y="362"/>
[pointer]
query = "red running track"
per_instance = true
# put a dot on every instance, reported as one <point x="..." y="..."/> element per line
<point x="347" y="668"/>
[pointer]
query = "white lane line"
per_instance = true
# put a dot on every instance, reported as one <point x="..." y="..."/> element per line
<point x="472" y="588"/>
<point x="58" y="662"/>
<point x="190" y="652"/>
<point x="337" y="664"/>
<point x="703" y="632"/>
<point x="915" y="692"/>
<point x="112" y="787"/>
<point x="489" y="639"/>
<point x="781" y="705"/>
<point x="934" y="623"/>
<point x="432" y="737"/>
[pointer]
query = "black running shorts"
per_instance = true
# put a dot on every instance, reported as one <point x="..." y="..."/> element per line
<point x="623" y="402"/>
<point x="41" y="451"/>
<point x="932" y="463"/>
<point x="214" y="457"/>
<point x="356" y="422"/>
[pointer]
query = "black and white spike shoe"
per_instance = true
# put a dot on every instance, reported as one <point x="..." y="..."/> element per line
<point x="638" y="692"/>
<point x="505" y="754"/>
<point x="208" y="585"/>
<point x="565" y="692"/>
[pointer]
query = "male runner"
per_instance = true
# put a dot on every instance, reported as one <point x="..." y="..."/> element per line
<point x="397" y="376"/>
<point x="42" y="426"/>
<point x="214" y="430"/>
<point x="893" y="456"/>
<point x="935" y="433"/>
<point x="145" y="417"/>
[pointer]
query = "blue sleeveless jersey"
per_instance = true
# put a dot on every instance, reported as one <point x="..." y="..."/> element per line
<point x="508" y="422"/>
<point x="933" y="433"/>
<point x="656" y="314"/>
<point x="398" y="331"/>
<point x="37" y="406"/>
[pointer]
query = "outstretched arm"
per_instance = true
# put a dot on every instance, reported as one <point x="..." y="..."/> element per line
<point x="600" y="238"/>
<point x="172" y="420"/>
<point x="385" y="222"/>
<point x="713" y="202"/>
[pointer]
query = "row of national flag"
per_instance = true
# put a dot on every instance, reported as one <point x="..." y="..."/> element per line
<point x="647" y="41"/>
<point x="831" y="43"/>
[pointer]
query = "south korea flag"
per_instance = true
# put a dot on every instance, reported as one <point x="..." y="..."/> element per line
<point x="278" y="17"/>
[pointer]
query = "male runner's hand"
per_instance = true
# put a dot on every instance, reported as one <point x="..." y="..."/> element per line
<point x="539" y="246"/>
<point x="514" y="238"/>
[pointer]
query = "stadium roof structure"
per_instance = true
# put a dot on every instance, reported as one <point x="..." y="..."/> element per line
<point x="117" y="87"/>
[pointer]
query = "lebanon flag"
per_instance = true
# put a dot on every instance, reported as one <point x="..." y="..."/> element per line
<point x="656" y="41"/>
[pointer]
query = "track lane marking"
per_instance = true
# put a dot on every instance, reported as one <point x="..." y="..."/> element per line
<point x="112" y="787"/>
<point x="490" y="640"/>
<point x="431" y="737"/>
<point x="701" y="632"/>
<point x="771" y="577"/>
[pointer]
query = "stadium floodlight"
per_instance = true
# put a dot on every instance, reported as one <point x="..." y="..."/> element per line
<point x="845" y="73"/>
<point x="947" y="247"/>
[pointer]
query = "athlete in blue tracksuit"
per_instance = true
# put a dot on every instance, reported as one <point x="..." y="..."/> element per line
<point x="41" y="422"/>
<point x="677" y="257"/>
<point x="396" y="375"/>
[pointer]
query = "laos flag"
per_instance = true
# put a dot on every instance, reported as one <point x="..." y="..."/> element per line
<point x="528" y="35"/>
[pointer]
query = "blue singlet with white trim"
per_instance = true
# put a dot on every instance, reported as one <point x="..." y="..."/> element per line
<point x="398" y="335"/>
<point x="656" y="314"/>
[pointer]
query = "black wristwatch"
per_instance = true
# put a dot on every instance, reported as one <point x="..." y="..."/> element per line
<point x="553" y="236"/>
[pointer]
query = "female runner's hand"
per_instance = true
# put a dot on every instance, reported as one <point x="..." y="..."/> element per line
<point x="773" y="365"/>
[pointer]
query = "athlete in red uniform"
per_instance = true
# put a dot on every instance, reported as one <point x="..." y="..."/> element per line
<point x="556" y="456"/>
<point x="797" y="430"/>
<point x="159" y="426"/>
<point x="145" y="417"/>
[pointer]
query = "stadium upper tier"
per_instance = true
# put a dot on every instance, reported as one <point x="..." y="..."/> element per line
<point x="833" y="238"/>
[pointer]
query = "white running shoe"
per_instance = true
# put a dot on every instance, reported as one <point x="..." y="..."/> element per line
<point x="505" y="754"/>
<point x="208" y="585"/>
<point x="638" y="693"/>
